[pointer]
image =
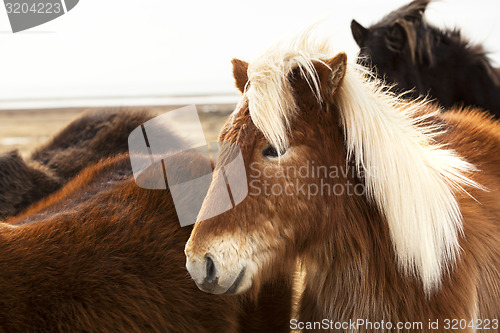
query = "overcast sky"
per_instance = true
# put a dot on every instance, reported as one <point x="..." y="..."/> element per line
<point x="158" y="47"/>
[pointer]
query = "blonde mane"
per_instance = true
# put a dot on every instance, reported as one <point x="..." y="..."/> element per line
<point x="270" y="99"/>
<point x="414" y="179"/>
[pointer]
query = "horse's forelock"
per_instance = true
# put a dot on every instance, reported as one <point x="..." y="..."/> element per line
<point x="270" y="95"/>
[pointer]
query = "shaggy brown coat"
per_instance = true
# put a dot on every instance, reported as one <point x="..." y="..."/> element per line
<point x="95" y="135"/>
<point x="103" y="255"/>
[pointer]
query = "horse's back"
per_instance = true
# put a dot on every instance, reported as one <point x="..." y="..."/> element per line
<point x="105" y="255"/>
<point x="95" y="135"/>
<point x="476" y="136"/>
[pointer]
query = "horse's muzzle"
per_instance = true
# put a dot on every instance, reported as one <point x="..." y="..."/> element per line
<point x="206" y="275"/>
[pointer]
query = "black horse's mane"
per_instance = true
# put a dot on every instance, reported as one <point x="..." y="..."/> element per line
<point x="428" y="42"/>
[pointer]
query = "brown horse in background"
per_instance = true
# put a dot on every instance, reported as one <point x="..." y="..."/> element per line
<point x="95" y="135"/>
<point x="408" y="51"/>
<point x="104" y="255"/>
<point x="379" y="196"/>
<point x="23" y="182"/>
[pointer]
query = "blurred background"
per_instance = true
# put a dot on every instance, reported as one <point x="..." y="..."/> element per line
<point x="164" y="54"/>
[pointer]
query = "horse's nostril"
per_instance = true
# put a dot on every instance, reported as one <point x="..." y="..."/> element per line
<point x="210" y="270"/>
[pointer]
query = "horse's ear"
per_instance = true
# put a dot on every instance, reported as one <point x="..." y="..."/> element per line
<point x="331" y="75"/>
<point x="240" y="74"/>
<point x="338" y="65"/>
<point x="359" y="33"/>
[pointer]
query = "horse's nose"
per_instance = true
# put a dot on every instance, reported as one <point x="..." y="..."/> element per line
<point x="204" y="273"/>
<point x="210" y="277"/>
<point x="210" y="281"/>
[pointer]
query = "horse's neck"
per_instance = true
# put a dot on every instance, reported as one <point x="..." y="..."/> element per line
<point x="345" y="276"/>
<point x="343" y="289"/>
<point x="470" y="78"/>
<point x="355" y="275"/>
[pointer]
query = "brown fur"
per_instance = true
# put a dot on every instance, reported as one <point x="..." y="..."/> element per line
<point x="22" y="183"/>
<point x="96" y="134"/>
<point x="240" y="69"/>
<point x="344" y="241"/>
<point x="103" y="255"/>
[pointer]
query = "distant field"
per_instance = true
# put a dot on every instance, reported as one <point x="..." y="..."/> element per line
<point x="26" y="129"/>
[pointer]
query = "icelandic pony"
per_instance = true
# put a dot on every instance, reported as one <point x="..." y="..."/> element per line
<point x="94" y="135"/>
<point x="103" y="255"/>
<point x="379" y="197"/>
<point x="410" y="52"/>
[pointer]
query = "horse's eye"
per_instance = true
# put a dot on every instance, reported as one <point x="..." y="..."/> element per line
<point x="271" y="151"/>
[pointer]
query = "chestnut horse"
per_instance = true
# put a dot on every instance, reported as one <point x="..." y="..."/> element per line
<point x="413" y="54"/>
<point x="94" y="135"/>
<point x="381" y="198"/>
<point x="103" y="255"/>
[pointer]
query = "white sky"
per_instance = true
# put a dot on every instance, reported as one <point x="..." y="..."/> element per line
<point x="157" y="47"/>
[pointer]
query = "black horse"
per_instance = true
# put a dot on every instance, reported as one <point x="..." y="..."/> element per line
<point x="408" y="51"/>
